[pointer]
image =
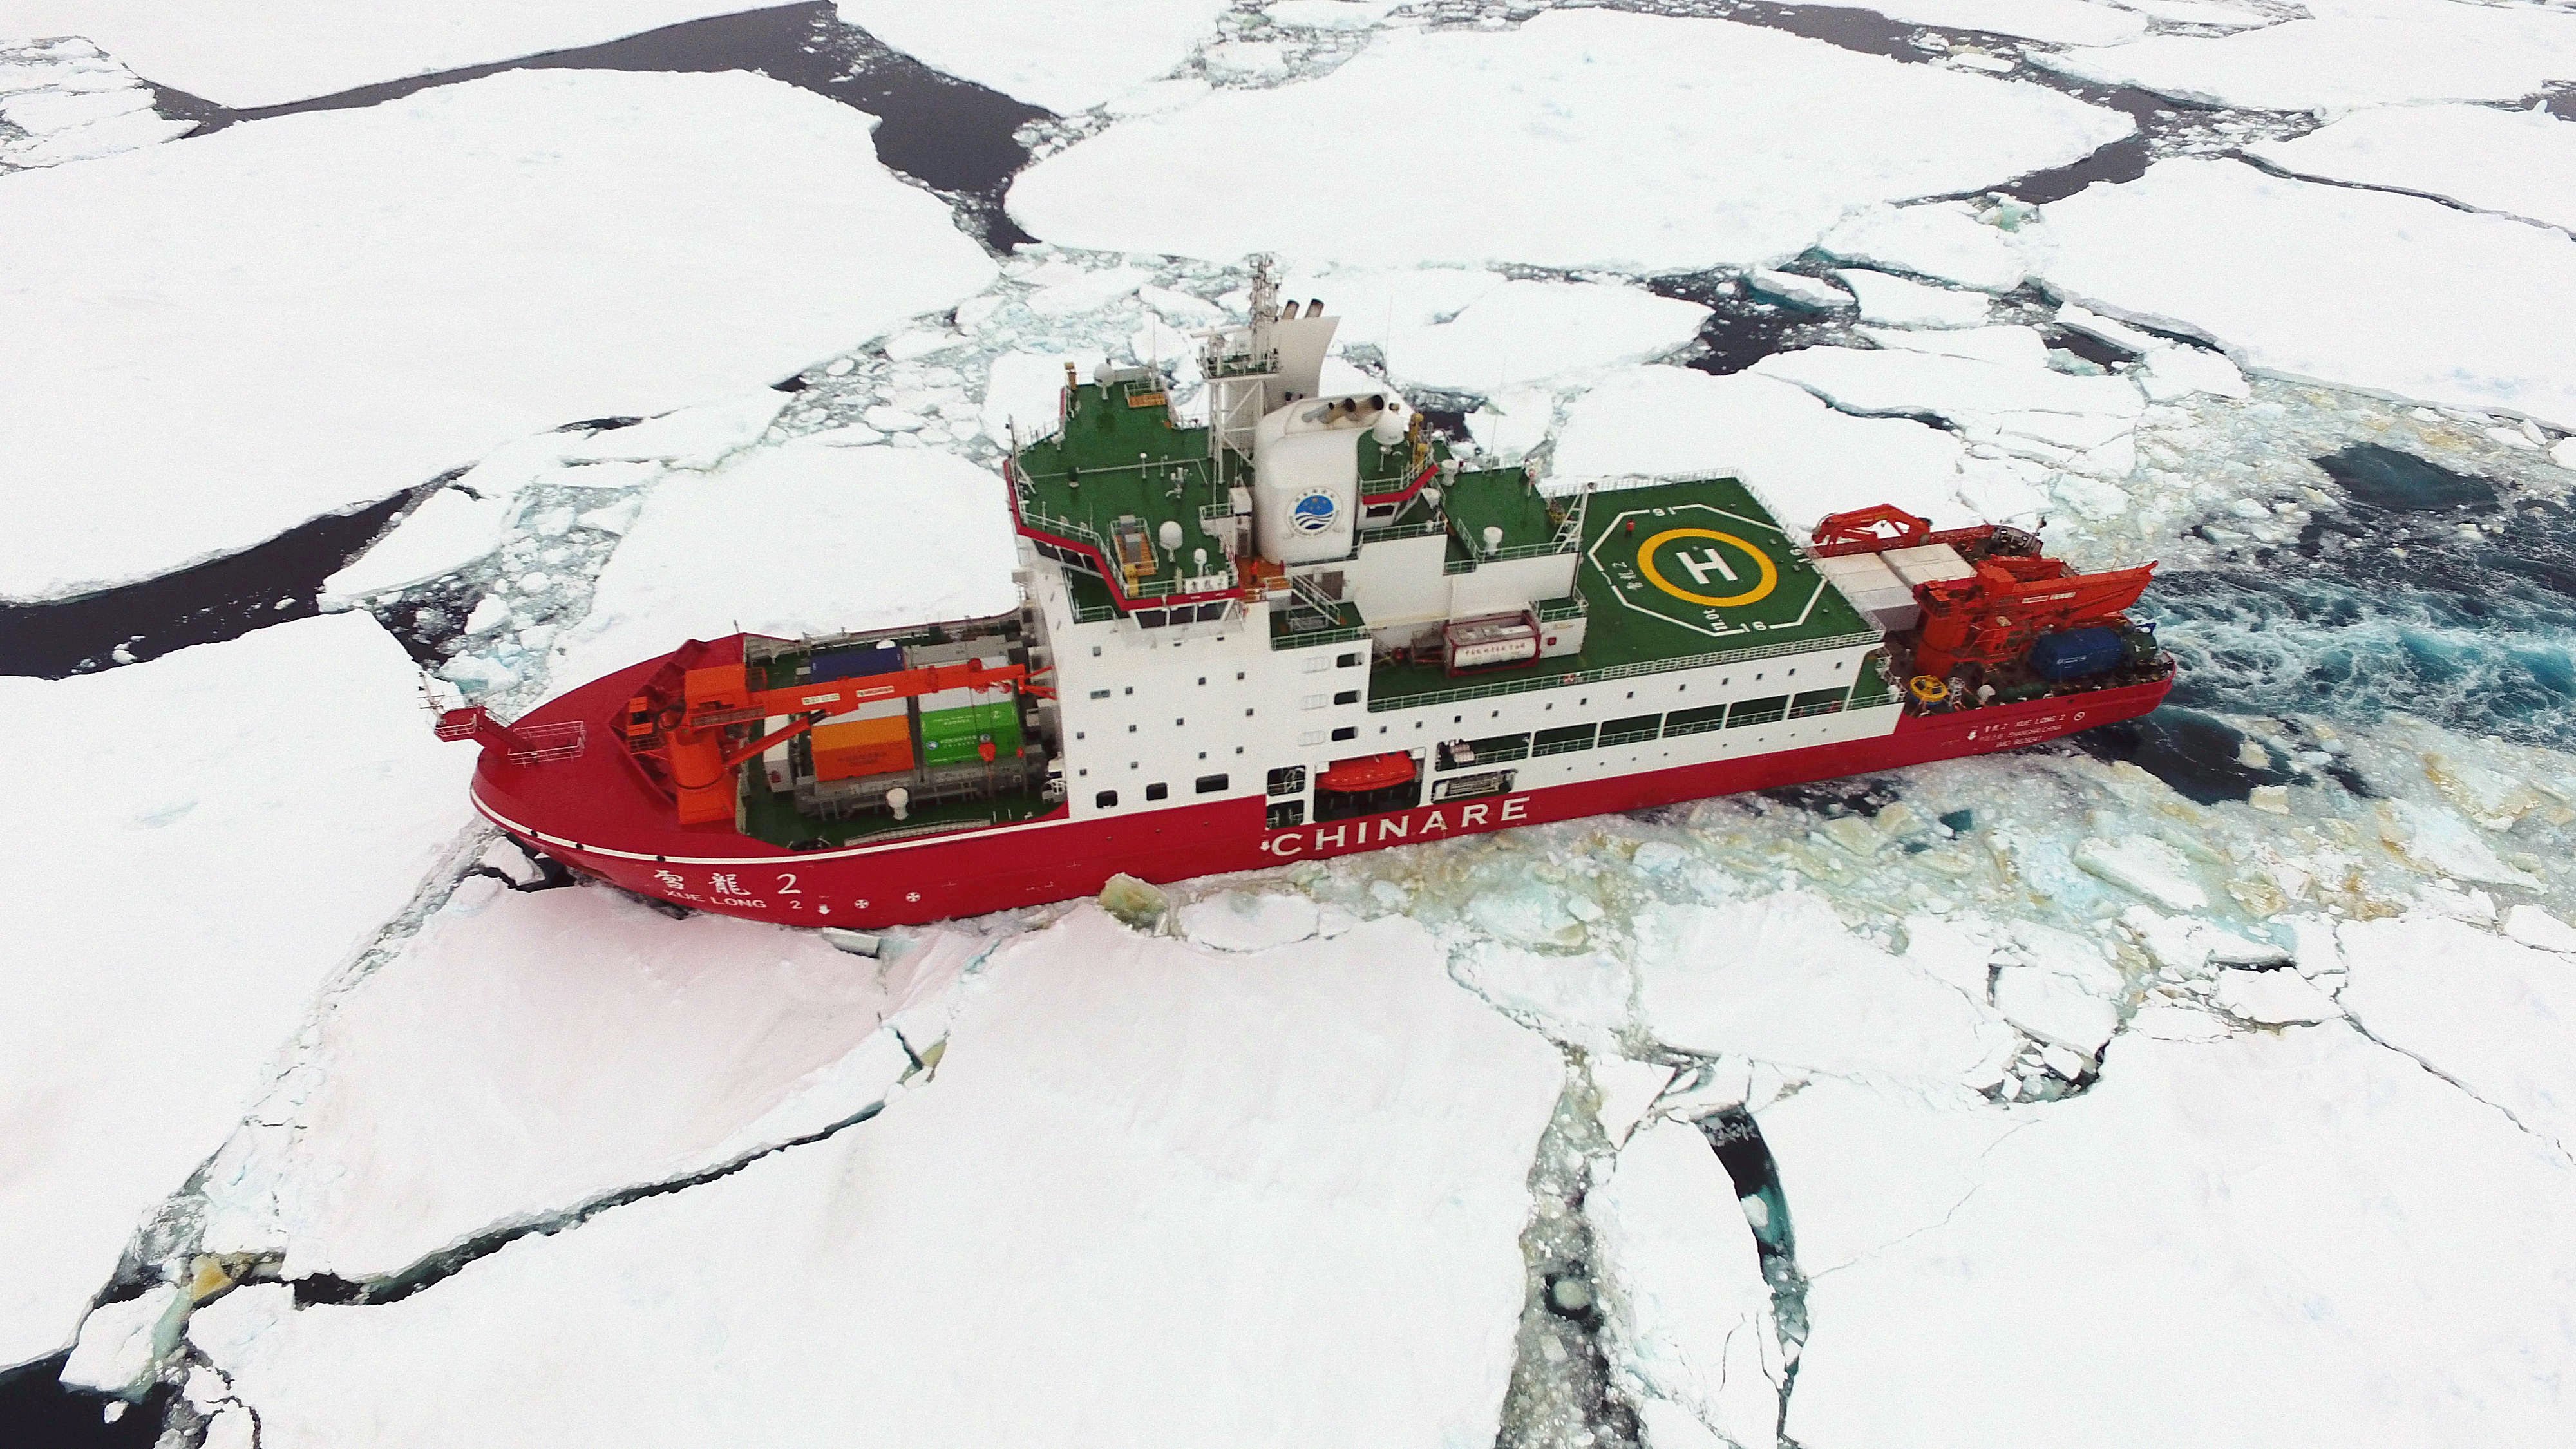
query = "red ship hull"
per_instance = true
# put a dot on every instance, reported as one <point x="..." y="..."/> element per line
<point x="597" y="814"/>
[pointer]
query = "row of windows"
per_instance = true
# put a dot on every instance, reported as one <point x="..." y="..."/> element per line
<point x="1204" y="785"/>
<point x="1636" y="729"/>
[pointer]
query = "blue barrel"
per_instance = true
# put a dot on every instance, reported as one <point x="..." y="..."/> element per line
<point x="2075" y="653"/>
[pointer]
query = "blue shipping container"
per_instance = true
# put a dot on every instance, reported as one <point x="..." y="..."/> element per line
<point x="856" y="662"/>
<point x="2075" y="653"/>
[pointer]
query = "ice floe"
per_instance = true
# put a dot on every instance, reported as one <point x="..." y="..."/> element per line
<point x="2308" y="1239"/>
<point x="1807" y="459"/>
<point x="1902" y="302"/>
<point x="526" y="1054"/>
<point x="2521" y="163"/>
<point x="223" y="339"/>
<point x="1813" y="294"/>
<point x="1759" y="142"/>
<point x="2059" y="22"/>
<point x="1065" y="57"/>
<point x="2361" y="289"/>
<point x="2351" y="53"/>
<point x="1521" y="333"/>
<point x="1780" y="980"/>
<point x="122" y="1342"/>
<point x="1865" y="1165"/>
<point x="63" y="100"/>
<point x="796" y="540"/>
<point x="2492" y="1014"/>
<point x="1945" y="240"/>
<point x="1137" y="1164"/>
<point x="249" y="816"/>
<point x="1690" y="1319"/>
<point x="2021" y="406"/>
<point x="292" y="50"/>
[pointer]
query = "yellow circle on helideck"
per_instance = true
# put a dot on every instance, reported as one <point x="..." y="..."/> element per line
<point x="1761" y="589"/>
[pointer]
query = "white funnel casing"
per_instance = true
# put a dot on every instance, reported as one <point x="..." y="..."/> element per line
<point x="1306" y="477"/>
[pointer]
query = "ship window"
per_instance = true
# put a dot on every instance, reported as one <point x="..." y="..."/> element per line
<point x="1630" y="730"/>
<point x="1346" y="661"/>
<point x="1100" y="694"/>
<point x="1564" y="739"/>
<point x="1209" y="784"/>
<point x="1287" y="813"/>
<point x="1238" y="676"/>
<point x="1694" y="721"/>
<point x="1202" y="679"/>
<point x="1158" y="791"/>
<point x="1106" y="800"/>
<point x="1247" y="714"/>
<point x="1347" y="696"/>
<point x="1816" y="701"/>
<point x="1176" y="724"/>
<point x="1131" y="689"/>
<point x="1288" y="780"/>
<point x="1077" y="734"/>
<point x="1757" y="711"/>
<point x="1095" y="651"/>
<point x="1131" y="729"/>
<point x="1347" y="732"/>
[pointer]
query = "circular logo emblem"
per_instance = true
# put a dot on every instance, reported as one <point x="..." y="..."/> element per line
<point x="1313" y="512"/>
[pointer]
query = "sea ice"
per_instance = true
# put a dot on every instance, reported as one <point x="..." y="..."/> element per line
<point x="309" y="336"/>
<point x="2022" y="406"/>
<point x="121" y="1342"/>
<point x="2144" y="866"/>
<point x="1026" y="390"/>
<point x="2353" y="53"/>
<point x="446" y="531"/>
<point x="292" y="50"/>
<point x="1065" y="57"/>
<point x="1689" y="1315"/>
<point x="1625" y="1091"/>
<point x="1585" y="1000"/>
<point x="1530" y="332"/>
<point x="1754" y="143"/>
<point x="1938" y="239"/>
<point x="2059" y="22"/>
<point x="2275" y="270"/>
<point x="1807" y="459"/>
<point x="2057" y="1008"/>
<point x="69" y="102"/>
<point x="2278" y="1285"/>
<point x="1815" y="294"/>
<point x="1329" y="14"/>
<point x="1779" y="980"/>
<point x="799" y="539"/>
<point x="1866" y="1164"/>
<point x="2275" y="998"/>
<point x="2490" y="1013"/>
<point x="1138" y="1164"/>
<point x="527" y="1053"/>
<point x="1902" y="303"/>
<point x="1250" y="920"/>
<point x="259" y="810"/>
<point x="697" y="437"/>
<point x="2521" y="163"/>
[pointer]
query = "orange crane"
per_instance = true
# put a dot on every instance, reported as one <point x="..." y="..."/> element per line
<point x="677" y="726"/>
<point x="1993" y="616"/>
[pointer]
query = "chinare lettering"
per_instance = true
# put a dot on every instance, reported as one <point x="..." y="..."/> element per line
<point x="1313" y="625"/>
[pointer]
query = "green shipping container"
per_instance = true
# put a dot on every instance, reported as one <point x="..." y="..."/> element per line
<point x="956" y="736"/>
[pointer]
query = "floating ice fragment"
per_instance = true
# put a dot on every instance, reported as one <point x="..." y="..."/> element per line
<point x="1065" y="57"/>
<point x="1524" y="332"/>
<point x="2179" y="370"/>
<point x="2533" y="926"/>
<point x="2353" y="53"/>
<point x="1904" y="303"/>
<point x="1625" y="1091"/>
<point x="2491" y="1013"/>
<point x="1944" y="240"/>
<point x="449" y="530"/>
<point x="2145" y="866"/>
<point x="2276" y="997"/>
<point x="1812" y="293"/>
<point x="1133" y="901"/>
<point x="121" y="1342"/>
<point x="2056" y="1009"/>
<point x="1250" y="920"/>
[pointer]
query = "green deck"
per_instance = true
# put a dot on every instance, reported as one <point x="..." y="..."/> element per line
<point x="1708" y="541"/>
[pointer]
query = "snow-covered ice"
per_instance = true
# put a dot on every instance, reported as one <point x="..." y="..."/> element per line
<point x="2490" y="1013"/>
<point x="2521" y="163"/>
<point x="1937" y="239"/>
<point x="1530" y="332"/>
<point x="1689" y="1315"/>
<point x="1902" y="302"/>
<point x="801" y="539"/>
<point x="69" y="102"/>
<point x="2144" y="866"/>
<point x="2362" y="289"/>
<point x="2060" y="22"/>
<point x="2299" y="1238"/>
<point x="1065" y="57"/>
<point x="2020" y="406"/>
<point x="1756" y="142"/>
<point x="1137" y="1165"/>
<point x="277" y="51"/>
<point x="1815" y="294"/>
<point x="527" y="1053"/>
<point x="221" y="339"/>
<point x="1780" y="980"/>
<point x="1807" y="459"/>
<point x="121" y="1342"/>
<point x="250" y="815"/>
<point x="1026" y="390"/>
<point x="2351" y="53"/>
<point x="1250" y="920"/>
<point x="1864" y="1165"/>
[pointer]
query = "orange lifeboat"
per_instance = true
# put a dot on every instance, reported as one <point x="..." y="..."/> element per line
<point x="1368" y="772"/>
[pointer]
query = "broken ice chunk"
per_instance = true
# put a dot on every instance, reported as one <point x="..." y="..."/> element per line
<point x="1904" y="303"/>
<point x="1249" y="920"/>
<point x="1625" y="1091"/>
<point x="2144" y="866"/>
<point x="2276" y="997"/>
<point x="1938" y="239"/>
<point x="2533" y="926"/>
<point x="1812" y="293"/>
<point x="121" y="1342"/>
<point x="2056" y="1008"/>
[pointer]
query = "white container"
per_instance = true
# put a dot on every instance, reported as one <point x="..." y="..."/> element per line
<point x="1928" y="562"/>
<point x="1874" y="589"/>
<point x="1488" y="643"/>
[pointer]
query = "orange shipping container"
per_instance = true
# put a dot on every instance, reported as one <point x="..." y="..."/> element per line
<point x="862" y="747"/>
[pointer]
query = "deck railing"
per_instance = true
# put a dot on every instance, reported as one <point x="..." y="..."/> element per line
<point x="1577" y="677"/>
